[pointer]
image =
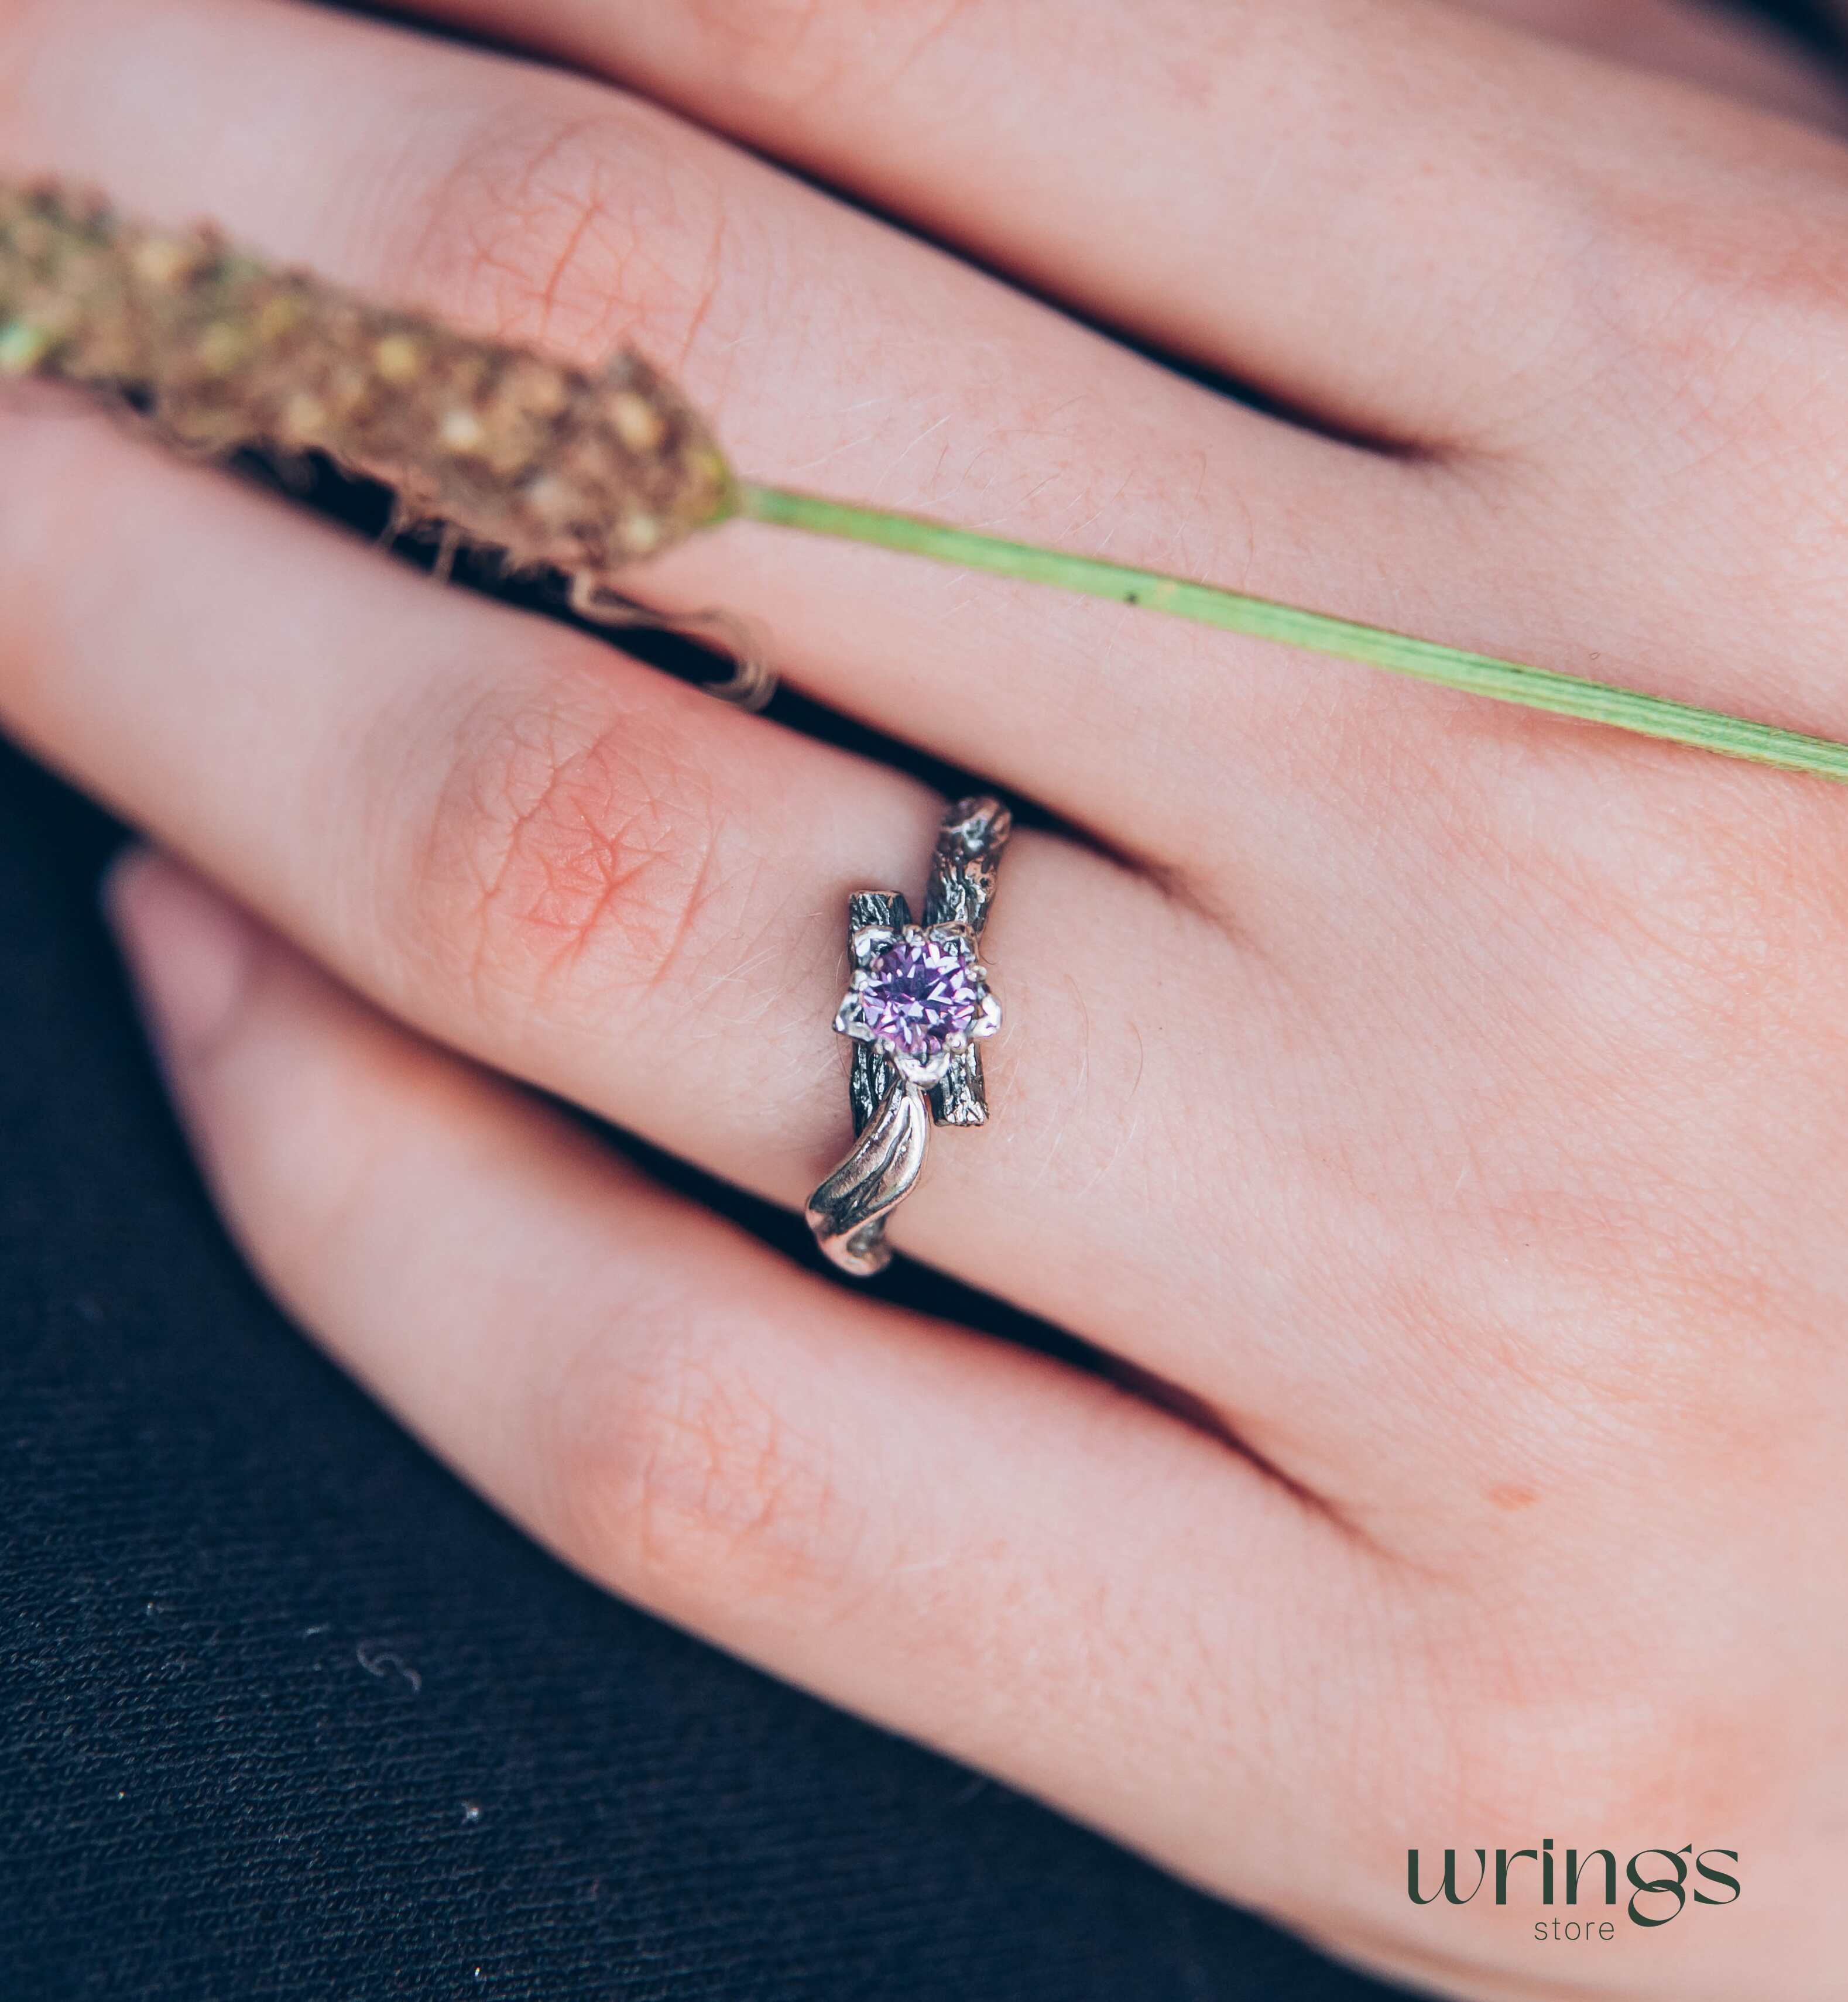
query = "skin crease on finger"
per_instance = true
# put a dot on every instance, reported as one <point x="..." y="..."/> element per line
<point x="1558" y="1209"/>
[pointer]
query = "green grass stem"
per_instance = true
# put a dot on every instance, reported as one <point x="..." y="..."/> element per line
<point x="1264" y="619"/>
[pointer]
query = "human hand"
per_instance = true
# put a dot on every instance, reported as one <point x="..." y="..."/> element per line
<point x="1447" y="1103"/>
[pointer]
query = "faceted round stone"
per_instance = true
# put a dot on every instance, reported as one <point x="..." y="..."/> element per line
<point x="919" y="993"/>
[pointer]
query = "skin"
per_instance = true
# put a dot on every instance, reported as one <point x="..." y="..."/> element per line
<point x="1450" y="1103"/>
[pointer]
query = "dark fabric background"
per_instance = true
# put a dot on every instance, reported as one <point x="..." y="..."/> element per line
<point x="284" y="1711"/>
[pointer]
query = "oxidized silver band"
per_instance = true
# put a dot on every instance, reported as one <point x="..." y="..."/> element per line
<point x="918" y="1006"/>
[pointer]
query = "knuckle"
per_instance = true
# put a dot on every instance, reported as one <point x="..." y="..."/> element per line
<point x="1721" y="325"/>
<point x="1722" y="924"/>
<point x="1623" y="1781"/>
<point x="570" y="844"/>
<point x="683" y="1481"/>
<point x="557" y="224"/>
<point x="1688" y="1051"/>
<point x="768" y="44"/>
<point x="1505" y="1686"/>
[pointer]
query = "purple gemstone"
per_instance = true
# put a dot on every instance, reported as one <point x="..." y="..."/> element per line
<point x="919" y="993"/>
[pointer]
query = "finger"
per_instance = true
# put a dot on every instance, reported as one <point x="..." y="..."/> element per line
<point x="1616" y="292"/>
<point x="1740" y="57"/>
<point x="574" y="868"/>
<point x="1377" y="214"/>
<point x="969" y="1543"/>
<point x="828" y="347"/>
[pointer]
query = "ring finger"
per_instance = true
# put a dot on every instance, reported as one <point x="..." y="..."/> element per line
<point x="586" y="873"/>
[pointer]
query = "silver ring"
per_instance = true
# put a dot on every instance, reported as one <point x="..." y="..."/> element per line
<point x="917" y="1007"/>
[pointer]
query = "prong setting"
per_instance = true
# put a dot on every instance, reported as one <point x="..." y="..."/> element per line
<point x="919" y="993"/>
<point x="871" y="940"/>
<point x="923" y="1074"/>
<point x="850" y="1019"/>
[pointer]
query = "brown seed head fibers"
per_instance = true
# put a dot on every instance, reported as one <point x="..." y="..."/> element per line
<point x="507" y="447"/>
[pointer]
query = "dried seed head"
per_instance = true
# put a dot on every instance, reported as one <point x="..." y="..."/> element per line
<point x="462" y="433"/>
<point x="639" y="533"/>
<point x="399" y="357"/>
<point x="163" y="261"/>
<point x="552" y="464"/>
<point x="638" y="423"/>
